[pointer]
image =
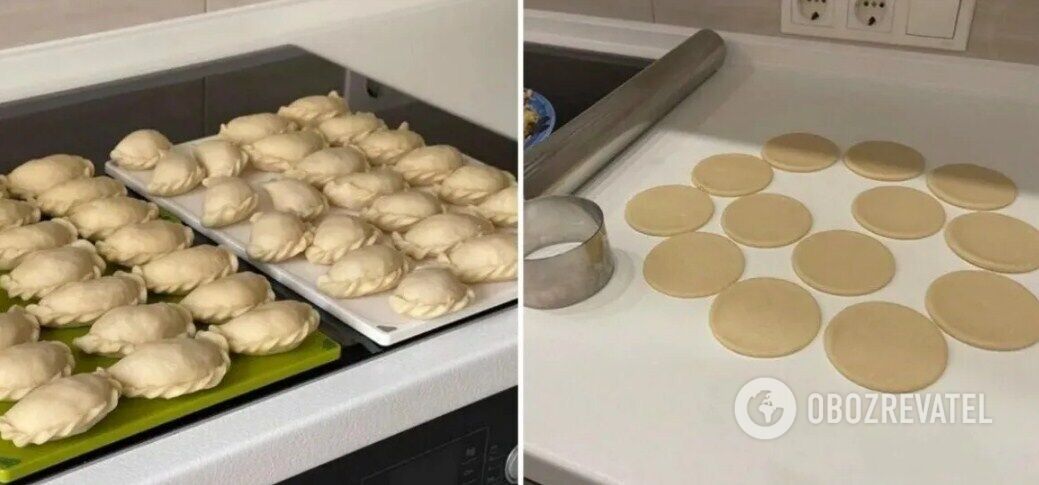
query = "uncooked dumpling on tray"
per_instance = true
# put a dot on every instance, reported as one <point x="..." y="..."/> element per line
<point x="97" y="219"/>
<point x="277" y="236"/>
<point x="437" y="234"/>
<point x="227" y="297"/>
<point x="296" y="197"/>
<point x="357" y="190"/>
<point x="120" y="330"/>
<point x="311" y="110"/>
<point x="471" y="184"/>
<point x="385" y="147"/>
<point x="271" y="328"/>
<point x="347" y="129"/>
<point x="16" y="242"/>
<point x="427" y="293"/>
<point x="43" y="271"/>
<point x="33" y="177"/>
<point x="227" y="200"/>
<point x="338" y="234"/>
<point x="139" y="243"/>
<point x="18" y="326"/>
<point x="364" y="271"/>
<point x="493" y="257"/>
<point x="401" y="210"/>
<point x="173" y="367"/>
<point x="322" y="166"/>
<point x="501" y="207"/>
<point x="14" y="213"/>
<point x="429" y="165"/>
<point x="80" y="303"/>
<point x="25" y="367"/>
<point x="280" y="152"/>
<point x="141" y="150"/>
<point x="58" y="200"/>
<point x="62" y="408"/>
<point x="220" y="158"/>
<point x="250" y="128"/>
<point x="176" y="174"/>
<point x="184" y="270"/>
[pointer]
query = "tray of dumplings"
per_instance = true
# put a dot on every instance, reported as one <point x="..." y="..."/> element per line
<point x="393" y="237"/>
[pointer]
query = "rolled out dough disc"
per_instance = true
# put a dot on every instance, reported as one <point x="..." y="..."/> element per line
<point x="994" y="241"/>
<point x="886" y="347"/>
<point x="983" y="309"/>
<point x="668" y="210"/>
<point x="765" y="317"/>
<point x="884" y="160"/>
<point x="693" y="264"/>
<point x="800" y="152"/>
<point x="843" y="263"/>
<point x="766" y="220"/>
<point x="898" y="212"/>
<point x="732" y="174"/>
<point x="972" y="186"/>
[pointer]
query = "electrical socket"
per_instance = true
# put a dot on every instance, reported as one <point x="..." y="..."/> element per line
<point x="813" y="12"/>
<point x="871" y="15"/>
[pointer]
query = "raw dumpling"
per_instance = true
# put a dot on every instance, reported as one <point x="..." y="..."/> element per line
<point x="43" y="271"/>
<point x="429" y="165"/>
<point x="25" y="367"/>
<point x="277" y="236"/>
<point x="14" y="213"/>
<point x="18" y="326"/>
<point x="471" y="184"/>
<point x="184" y="270"/>
<point x="322" y="166"/>
<point x="228" y="200"/>
<point x="500" y="207"/>
<point x="338" y="233"/>
<point x="97" y="219"/>
<point x="401" y="210"/>
<point x="142" y="242"/>
<point x="220" y="158"/>
<point x="80" y="303"/>
<point x="357" y="190"/>
<point x="175" y="174"/>
<point x="120" y="330"/>
<point x="278" y="153"/>
<point x="31" y="178"/>
<point x="58" y="200"/>
<point x="439" y="233"/>
<point x="228" y="297"/>
<point x="311" y="110"/>
<point x="16" y="242"/>
<point x="349" y="128"/>
<point x="385" y="147"/>
<point x="364" y="271"/>
<point x="484" y="258"/>
<point x="141" y="149"/>
<point x="250" y="128"/>
<point x="173" y="367"/>
<point x="428" y="293"/>
<point x="271" y="328"/>
<point x="296" y="197"/>
<point x="65" y="407"/>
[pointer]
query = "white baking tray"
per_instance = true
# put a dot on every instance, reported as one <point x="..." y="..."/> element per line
<point x="371" y="315"/>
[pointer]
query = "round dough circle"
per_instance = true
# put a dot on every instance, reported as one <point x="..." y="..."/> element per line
<point x="983" y="309"/>
<point x="668" y="210"/>
<point x="765" y="317"/>
<point x="886" y="347"/>
<point x="693" y="264"/>
<point x="732" y="174"/>
<point x="994" y="241"/>
<point x="972" y="186"/>
<point x="898" y="212"/>
<point x="884" y="160"/>
<point x="800" y="152"/>
<point x="766" y="220"/>
<point x="845" y="263"/>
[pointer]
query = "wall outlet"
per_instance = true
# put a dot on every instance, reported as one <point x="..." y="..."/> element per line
<point x="872" y="15"/>
<point x="813" y="12"/>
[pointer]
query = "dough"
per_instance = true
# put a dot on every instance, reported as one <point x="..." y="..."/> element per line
<point x="401" y="210"/>
<point x="971" y="186"/>
<point x="800" y="152"/>
<point x="247" y="129"/>
<point x="25" y="367"/>
<point x="766" y="220"/>
<point x="438" y="233"/>
<point x="280" y="152"/>
<point x="43" y="271"/>
<point x="364" y="271"/>
<point x="80" y="303"/>
<point x="337" y="234"/>
<point x="175" y="174"/>
<point x="994" y="241"/>
<point x="357" y="190"/>
<point x="668" y="210"/>
<point x="493" y="257"/>
<point x="220" y="158"/>
<point x="65" y="407"/>
<point x="983" y="309"/>
<point x="228" y="297"/>
<point x="765" y="317"/>
<point x="322" y="166"/>
<point x="14" y="213"/>
<point x="277" y="236"/>
<point x="32" y="178"/>
<point x="58" y="200"/>
<point x="18" y="326"/>
<point x="97" y="219"/>
<point x="296" y="197"/>
<point x="898" y="212"/>
<point x="429" y="165"/>
<point x="501" y="208"/>
<point x="886" y="347"/>
<point x="186" y="269"/>
<point x="141" y="150"/>
<point x="311" y="110"/>
<point x="471" y="184"/>
<point x="271" y="328"/>
<point x="120" y="330"/>
<point x="884" y="160"/>
<point x="139" y="243"/>
<point x="732" y="174"/>
<point x="228" y="200"/>
<point x="428" y="293"/>
<point x="693" y="264"/>
<point x="385" y="147"/>
<point x="174" y="367"/>
<point x="16" y="242"/>
<point x="349" y="128"/>
<point x="845" y="263"/>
